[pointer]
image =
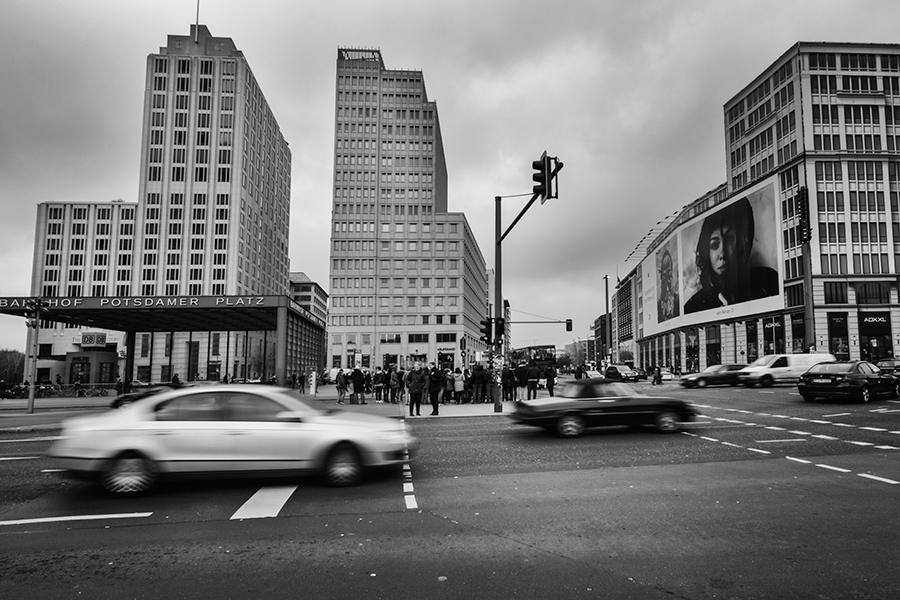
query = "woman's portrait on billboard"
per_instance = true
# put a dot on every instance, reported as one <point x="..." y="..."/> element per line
<point x="725" y="271"/>
<point x="667" y="301"/>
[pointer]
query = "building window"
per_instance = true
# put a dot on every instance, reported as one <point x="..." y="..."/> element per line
<point x="835" y="292"/>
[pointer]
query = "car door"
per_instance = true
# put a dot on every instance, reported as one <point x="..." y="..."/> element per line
<point x="618" y="404"/>
<point x="264" y="435"/>
<point x="878" y="382"/>
<point x="186" y="433"/>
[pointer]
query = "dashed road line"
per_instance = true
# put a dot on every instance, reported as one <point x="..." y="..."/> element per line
<point x="19" y="457"/>
<point x="77" y="518"/>
<point x="881" y="479"/>
<point x="838" y="469"/>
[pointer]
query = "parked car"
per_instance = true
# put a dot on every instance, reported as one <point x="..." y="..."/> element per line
<point x="599" y="402"/>
<point x="620" y="373"/>
<point x="780" y="368"/>
<point x="857" y="379"/>
<point x="713" y="375"/>
<point x="226" y="431"/>
<point x="641" y="374"/>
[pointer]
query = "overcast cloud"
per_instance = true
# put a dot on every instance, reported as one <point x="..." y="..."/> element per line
<point x="627" y="94"/>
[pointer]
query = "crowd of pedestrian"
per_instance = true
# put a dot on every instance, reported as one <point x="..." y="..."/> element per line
<point x="429" y="384"/>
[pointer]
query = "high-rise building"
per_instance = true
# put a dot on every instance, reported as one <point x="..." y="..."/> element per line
<point x="810" y="215"/>
<point x="408" y="280"/>
<point x="211" y="219"/>
<point x="215" y="175"/>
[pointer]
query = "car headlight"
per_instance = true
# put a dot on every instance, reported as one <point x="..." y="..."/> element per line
<point x="394" y="436"/>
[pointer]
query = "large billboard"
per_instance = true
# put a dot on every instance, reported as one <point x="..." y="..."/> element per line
<point x="725" y="264"/>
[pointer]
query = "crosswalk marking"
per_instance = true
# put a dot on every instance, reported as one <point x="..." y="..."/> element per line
<point x="266" y="502"/>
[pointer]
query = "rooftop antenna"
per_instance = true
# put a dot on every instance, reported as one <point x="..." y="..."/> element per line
<point x="197" y="27"/>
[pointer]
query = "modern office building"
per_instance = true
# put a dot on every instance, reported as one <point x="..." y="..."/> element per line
<point x="822" y="120"/>
<point x="408" y="280"/>
<point x="211" y="219"/>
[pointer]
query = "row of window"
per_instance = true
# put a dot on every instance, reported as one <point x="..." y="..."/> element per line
<point x="394" y="338"/>
<point x="388" y="320"/>
<point x="100" y="290"/>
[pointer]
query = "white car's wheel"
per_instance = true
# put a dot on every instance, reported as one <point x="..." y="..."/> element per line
<point x="129" y="474"/>
<point x="343" y="467"/>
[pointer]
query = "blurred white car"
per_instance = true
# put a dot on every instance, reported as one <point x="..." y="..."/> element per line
<point x="227" y="430"/>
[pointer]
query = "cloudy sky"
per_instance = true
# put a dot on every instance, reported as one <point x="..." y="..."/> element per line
<point x="628" y="94"/>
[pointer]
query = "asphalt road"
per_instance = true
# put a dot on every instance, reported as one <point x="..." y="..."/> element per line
<point x="765" y="497"/>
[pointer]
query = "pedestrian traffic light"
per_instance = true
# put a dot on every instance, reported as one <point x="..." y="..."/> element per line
<point x="568" y="324"/>
<point x="541" y="176"/>
<point x="803" y="212"/>
<point x="499" y="329"/>
<point x="486" y="326"/>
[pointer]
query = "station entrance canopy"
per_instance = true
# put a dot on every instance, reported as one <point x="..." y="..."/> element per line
<point x="164" y="313"/>
<point x="133" y="314"/>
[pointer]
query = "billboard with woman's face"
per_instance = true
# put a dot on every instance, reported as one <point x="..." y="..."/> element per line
<point x="723" y="264"/>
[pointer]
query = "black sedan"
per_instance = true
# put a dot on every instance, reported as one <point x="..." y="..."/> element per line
<point x="713" y="375"/>
<point x="857" y="379"/>
<point x="600" y="402"/>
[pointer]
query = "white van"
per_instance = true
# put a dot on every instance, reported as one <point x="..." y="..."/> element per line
<point x="779" y="368"/>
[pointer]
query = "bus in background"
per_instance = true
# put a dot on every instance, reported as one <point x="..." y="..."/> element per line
<point x="543" y="356"/>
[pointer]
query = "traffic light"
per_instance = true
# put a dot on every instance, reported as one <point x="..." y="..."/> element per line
<point x="541" y="176"/>
<point x="803" y="212"/>
<point x="499" y="330"/>
<point x="486" y="326"/>
<point x="31" y="312"/>
<point x="568" y="324"/>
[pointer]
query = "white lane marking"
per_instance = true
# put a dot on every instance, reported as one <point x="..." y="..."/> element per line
<point x="859" y="443"/>
<point x="760" y="451"/>
<point x="765" y="392"/>
<point x="838" y="469"/>
<point x="77" y="518"/>
<point x="876" y="478"/>
<point x="19" y="457"/>
<point x="730" y="444"/>
<point x="836" y="415"/>
<point x="709" y="439"/>
<point x="873" y="428"/>
<point x="411" y="502"/>
<point x="818" y="422"/>
<point x="37" y="439"/>
<point x="779" y="441"/>
<point x="266" y="502"/>
<point x="843" y="425"/>
<point x="824" y="437"/>
<point x="408" y="488"/>
<point x="800" y="432"/>
<point x="799" y="460"/>
<point x="408" y="496"/>
<point x="887" y="447"/>
<point x="773" y="428"/>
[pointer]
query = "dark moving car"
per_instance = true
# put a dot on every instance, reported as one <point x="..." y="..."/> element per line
<point x="713" y="375"/>
<point x="856" y="379"/>
<point x="621" y="373"/>
<point x="599" y="402"/>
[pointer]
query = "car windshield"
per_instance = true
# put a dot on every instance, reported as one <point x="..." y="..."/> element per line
<point x="711" y="369"/>
<point x="831" y="368"/>
<point x="763" y="361"/>
<point x="595" y="389"/>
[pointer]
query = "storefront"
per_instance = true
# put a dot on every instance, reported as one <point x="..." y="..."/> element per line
<point x="875" y="336"/>
<point x="798" y="333"/>
<point x="838" y="338"/>
<point x="692" y="350"/>
<point x="752" y="341"/>
<point x="713" y="345"/>
<point x="773" y="335"/>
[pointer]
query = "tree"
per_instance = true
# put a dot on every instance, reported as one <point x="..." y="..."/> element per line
<point x="12" y="366"/>
<point x="563" y="362"/>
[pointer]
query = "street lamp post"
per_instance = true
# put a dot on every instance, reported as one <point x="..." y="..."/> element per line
<point x="608" y="322"/>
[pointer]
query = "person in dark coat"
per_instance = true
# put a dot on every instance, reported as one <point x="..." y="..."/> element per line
<point x="521" y="380"/>
<point x="359" y="389"/>
<point x="533" y="376"/>
<point x="550" y="376"/>
<point x="435" y="385"/>
<point x="417" y="382"/>
<point x="508" y="383"/>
